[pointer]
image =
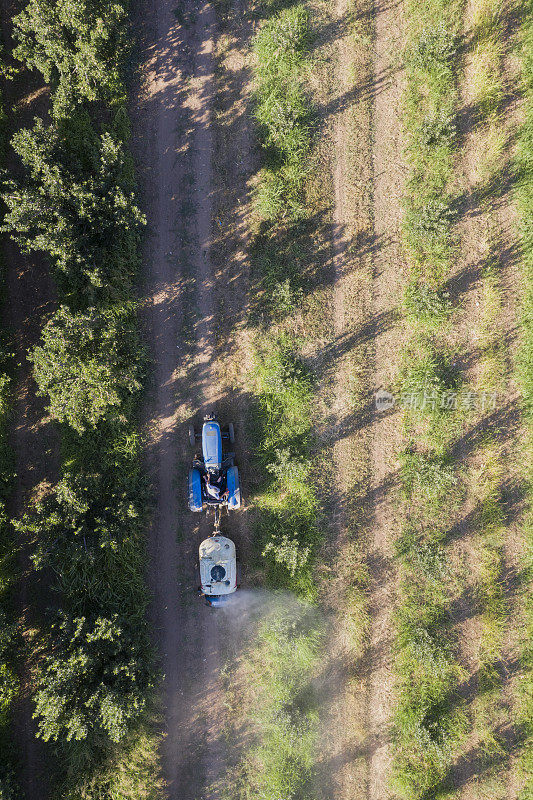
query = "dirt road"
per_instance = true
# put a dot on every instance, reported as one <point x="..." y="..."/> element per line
<point x="30" y="299"/>
<point x="175" y="149"/>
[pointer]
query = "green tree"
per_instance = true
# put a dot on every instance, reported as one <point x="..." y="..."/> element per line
<point x="76" y="203"/>
<point x="89" y="531"/>
<point x="87" y="363"/>
<point x="94" y="681"/>
<point x="77" y="45"/>
<point x="81" y="515"/>
<point x="8" y="682"/>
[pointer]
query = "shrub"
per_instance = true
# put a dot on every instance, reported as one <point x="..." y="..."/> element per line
<point x="87" y="364"/>
<point x="129" y="771"/>
<point x="427" y="370"/>
<point x="433" y="49"/>
<point x="95" y="679"/>
<point x="435" y="129"/>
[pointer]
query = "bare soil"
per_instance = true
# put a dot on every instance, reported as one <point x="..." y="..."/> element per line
<point x="30" y="299"/>
<point x="344" y="745"/>
<point x="186" y="287"/>
<point x="389" y="281"/>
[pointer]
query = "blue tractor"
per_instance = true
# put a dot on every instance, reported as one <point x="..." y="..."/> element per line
<point x="214" y="478"/>
<point x="214" y="485"/>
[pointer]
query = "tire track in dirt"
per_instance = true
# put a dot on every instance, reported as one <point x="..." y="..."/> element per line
<point x="344" y="765"/>
<point x="174" y="143"/>
<point x="389" y="178"/>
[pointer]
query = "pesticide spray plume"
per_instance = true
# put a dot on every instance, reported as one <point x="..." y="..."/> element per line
<point x="275" y="646"/>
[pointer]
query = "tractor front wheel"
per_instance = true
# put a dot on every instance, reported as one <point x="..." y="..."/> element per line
<point x="192" y="436"/>
<point x="231" y="432"/>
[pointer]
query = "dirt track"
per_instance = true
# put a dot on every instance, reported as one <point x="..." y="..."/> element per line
<point x="175" y="147"/>
<point x="30" y="298"/>
<point x="389" y="176"/>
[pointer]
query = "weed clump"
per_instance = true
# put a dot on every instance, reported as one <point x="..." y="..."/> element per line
<point x="288" y="504"/>
<point x="427" y="306"/>
<point x="283" y="111"/>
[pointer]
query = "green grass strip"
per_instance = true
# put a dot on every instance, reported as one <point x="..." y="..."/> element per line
<point x="287" y="505"/>
<point x="280" y="662"/>
<point x="287" y="501"/>
<point x="282" y="111"/>
<point x="428" y="722"/>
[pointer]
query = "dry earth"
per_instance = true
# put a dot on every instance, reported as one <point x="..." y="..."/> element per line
<point x="186" y="286"/>
<point x="389" y="177"/>
<point x="30" y="299"/>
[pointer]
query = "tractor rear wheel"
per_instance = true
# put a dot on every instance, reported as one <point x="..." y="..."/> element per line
<point x="192" y="436"/>
<point x="231" y="432"/>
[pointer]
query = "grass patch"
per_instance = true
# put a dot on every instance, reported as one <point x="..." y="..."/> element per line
<point x="429" y="722"/>
<point x="278" y="671"/>
<point x="287" y="504"/>
<point x="282" y="111"/>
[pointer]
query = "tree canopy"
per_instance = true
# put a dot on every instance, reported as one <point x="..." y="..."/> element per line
<point x="87" y="363"/>
<point x="95" y="679"/>
<point x="76" y="203"/>
<point x="77" y="45"/>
